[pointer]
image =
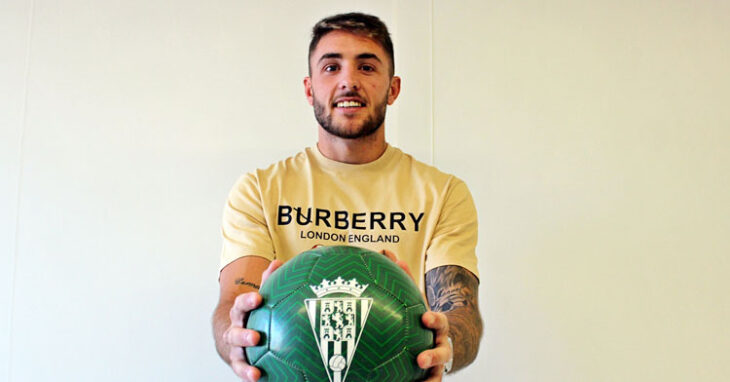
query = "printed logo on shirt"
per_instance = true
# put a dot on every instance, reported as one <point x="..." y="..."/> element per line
<point x="345" y="220"/>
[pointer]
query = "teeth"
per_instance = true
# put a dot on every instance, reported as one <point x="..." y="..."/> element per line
<point x="349" y="104"/>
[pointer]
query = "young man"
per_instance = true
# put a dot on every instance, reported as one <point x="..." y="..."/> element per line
<point x="354" y="189"/>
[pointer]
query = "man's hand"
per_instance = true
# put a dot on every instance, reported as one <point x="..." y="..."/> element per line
<point x="236" y="337"/>
<point x="433" y="359"/>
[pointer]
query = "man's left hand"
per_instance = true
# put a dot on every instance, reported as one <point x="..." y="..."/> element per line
<point x="432" y="359"/>
<point x="435" y="359"/>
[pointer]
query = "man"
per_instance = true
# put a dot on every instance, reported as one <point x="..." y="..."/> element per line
<point x="355" y="189"/>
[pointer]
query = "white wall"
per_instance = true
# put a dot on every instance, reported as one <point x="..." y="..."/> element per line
<point x="13" y="42"/>
<point x="595" y="137"/>
<point x="592" y="135"/>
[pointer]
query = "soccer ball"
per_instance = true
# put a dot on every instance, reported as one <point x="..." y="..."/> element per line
<point x="339" y="314"/>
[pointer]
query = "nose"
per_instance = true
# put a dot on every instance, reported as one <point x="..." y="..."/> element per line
<point x="349" y="79"/>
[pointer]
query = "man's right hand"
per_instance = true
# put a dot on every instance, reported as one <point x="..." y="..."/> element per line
<point x="236" y="337"/>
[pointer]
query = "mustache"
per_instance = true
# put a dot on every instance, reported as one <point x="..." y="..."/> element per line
<point x="350" y="93"/>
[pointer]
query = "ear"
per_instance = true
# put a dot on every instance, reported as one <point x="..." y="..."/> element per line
<point x="308" y="90"/>
<point x="394" y="89"/>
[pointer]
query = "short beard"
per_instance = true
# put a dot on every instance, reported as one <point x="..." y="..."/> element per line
<point x="369" y="127"/>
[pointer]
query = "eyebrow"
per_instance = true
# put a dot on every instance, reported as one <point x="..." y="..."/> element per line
<point x="361" y="56"/>
<point x="365" y="56"/>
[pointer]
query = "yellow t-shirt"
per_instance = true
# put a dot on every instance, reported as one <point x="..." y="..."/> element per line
<point x="424" y="216"/>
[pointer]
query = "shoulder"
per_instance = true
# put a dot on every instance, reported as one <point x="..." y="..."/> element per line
<point x="285" y="166"/>
<point x="430" y="176"/>
<point x="263" y="178"/>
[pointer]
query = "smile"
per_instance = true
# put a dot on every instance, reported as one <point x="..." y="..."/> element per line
<point x="346" y="104"/>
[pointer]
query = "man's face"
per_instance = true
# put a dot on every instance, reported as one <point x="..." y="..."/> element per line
<point x="350" y="84"/>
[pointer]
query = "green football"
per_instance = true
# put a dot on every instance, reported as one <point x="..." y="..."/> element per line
<point x="339" y="314"/>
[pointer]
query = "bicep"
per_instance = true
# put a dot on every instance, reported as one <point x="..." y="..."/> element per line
<point x="454" y="238"/>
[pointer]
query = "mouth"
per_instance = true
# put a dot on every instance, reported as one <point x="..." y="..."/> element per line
<point x="350" y="104"/>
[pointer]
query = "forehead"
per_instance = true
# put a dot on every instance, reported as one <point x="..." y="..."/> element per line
<point x="346" y="44"/>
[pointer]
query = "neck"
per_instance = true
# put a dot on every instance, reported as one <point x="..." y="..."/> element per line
<point x="352" y="151"/>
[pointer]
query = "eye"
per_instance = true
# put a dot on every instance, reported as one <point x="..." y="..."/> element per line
<point x="330" y="67"/>
<point x="367" y="68"/>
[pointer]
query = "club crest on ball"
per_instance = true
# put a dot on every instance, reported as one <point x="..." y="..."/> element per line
<point x="337" y="322"/>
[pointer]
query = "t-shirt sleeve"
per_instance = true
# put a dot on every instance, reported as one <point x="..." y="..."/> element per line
<point x="455" y="237"/>
<point x="244" y="229"/>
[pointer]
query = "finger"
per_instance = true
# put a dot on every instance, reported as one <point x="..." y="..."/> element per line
<point x="274" y="265"/>
<point x="238" y="337"/>
<point x="390" y="255"/>
<point x="245" y="371"/>
<point x="402" y="264"/>
<point x="436" y="321"/>
<point x="243" y="304"/>
<point x="433" y="358"/>
<point x="237" y="354"/>
<point x="442" y="352"/>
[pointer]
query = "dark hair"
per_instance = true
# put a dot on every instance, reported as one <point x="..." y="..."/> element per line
<point x="357" y="23"/>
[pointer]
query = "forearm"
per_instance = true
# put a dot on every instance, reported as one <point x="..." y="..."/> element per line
<point x="237" y="278"/>
<point x="465" y="330"/>
<point x="453" y="291"/>
<point x="221" y="322"/>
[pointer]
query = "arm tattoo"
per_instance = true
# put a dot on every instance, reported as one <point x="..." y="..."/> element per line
<point x="242" y="281"/>
<point x="454" y="291"/>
